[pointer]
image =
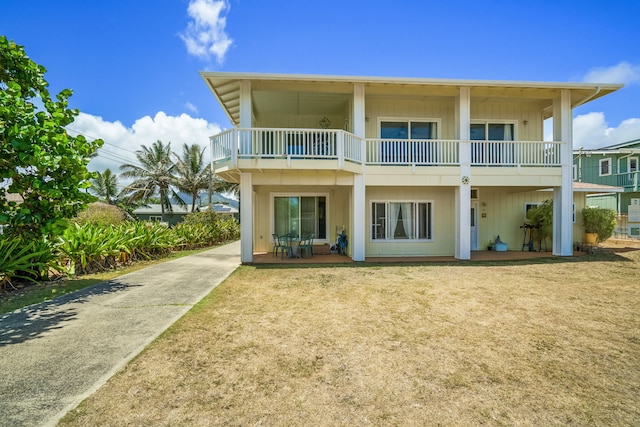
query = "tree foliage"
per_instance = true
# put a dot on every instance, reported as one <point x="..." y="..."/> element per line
<point x="193" y="174"/>
<point x="154" y="175"/>
<point x="39" y="160"/>
<point x="105" y="186"/>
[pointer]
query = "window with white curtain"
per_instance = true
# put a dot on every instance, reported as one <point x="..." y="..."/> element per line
<point x="402" y="220"/>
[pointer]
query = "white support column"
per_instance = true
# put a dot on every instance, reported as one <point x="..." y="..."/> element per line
<point x="245" y="116"/>
<point x="463" y="191"/>
<point x="563" y="195"/>
<point x="246" y="217"/>
<point x="359" y="182"/>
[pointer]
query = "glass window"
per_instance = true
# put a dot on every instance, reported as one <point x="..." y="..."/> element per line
<point x="408" y="130"/>
<point x="401" y="221"/>
<point x="300" y="216"/>
<point x="492" y="131"/>
<point x="605" y="167"/>
<point x="632" y="164"/>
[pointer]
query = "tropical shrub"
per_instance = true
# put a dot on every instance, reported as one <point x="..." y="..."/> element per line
<point x="601" y="221"/>
<point x="541" y="217"/>
<point x="101" y="213"/>
<point x="21" y="260"/>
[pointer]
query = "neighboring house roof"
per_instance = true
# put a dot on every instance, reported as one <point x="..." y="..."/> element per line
<point x="156" y="209"/>
<point x="222" y="209"/>
<point x="587" y="187"/>
<point x="12" y="197"/>
<point x="226" y="88"/>
<point x="621" y="148"/>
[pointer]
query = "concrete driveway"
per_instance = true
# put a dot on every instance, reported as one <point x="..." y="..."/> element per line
<point x="54" y="354"/>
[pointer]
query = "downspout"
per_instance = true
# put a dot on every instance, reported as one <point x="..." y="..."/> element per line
<point x="588" y="97"/>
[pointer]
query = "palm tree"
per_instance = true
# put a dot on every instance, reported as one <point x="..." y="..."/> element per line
<point x="155" y="175"/>
<point x="105" y="186"/>
<point x="193" y="175"/>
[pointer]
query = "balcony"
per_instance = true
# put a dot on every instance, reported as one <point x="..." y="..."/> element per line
<point x="628" y="180"/>
<point x="343" y="148"/>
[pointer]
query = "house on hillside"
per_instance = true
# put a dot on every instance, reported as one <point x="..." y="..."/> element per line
<point x="405" y="166"/>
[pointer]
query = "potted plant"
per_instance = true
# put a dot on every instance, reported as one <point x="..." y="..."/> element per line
<point x="599" y="224"/>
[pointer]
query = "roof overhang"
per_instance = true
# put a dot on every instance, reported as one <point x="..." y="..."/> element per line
<point x="226" y="88"/>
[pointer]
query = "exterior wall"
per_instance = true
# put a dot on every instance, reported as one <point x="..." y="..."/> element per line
<point x="338" y="211"/>
<point x="443" y="221"/>
<point x="444" y="110"/>
<point x="504" y="214"/>
<point x="171" y="219"/>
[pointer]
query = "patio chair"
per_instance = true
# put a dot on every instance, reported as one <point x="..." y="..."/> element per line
<point x="279" y="244"/>
<point x="306" y="244"/>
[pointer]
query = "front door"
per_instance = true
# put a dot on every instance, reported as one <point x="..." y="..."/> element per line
<point x="474" y="226"/>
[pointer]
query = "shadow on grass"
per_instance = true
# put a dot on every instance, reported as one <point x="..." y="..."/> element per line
<point x="35" y="320"/>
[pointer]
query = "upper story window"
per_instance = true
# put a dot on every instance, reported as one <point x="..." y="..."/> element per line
<point x="395" y="150"/>
<point x="408" y="129"/>
<point x="605" y="167"/>
<point x="492" y="131"/>
<point x="632" y="164"/>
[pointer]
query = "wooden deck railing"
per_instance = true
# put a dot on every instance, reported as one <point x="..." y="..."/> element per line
<point x="319" y="144"/>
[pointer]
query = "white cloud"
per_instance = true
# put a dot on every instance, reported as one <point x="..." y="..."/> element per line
<point x="205" y="35"/>
<point x="189" y="106"/>
<point x="592" y="131"/>
<point x="621" y="73"/>
<point x="121" y="142"/>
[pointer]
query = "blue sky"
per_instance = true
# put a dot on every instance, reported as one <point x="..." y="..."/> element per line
<point x="133" y="64"/>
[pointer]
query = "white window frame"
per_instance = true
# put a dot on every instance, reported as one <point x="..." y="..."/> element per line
<point x="155" y="218"/>
<point x="387" y="239"/>
<point x="272" y="218"/>
<point x="527" y="206"/>
<point x="601" y="162"/>
<point x="488" y="122"/>
<point x="630" y="160"/>
<point x="575" y="172"/>
<point x="408" y="120"/>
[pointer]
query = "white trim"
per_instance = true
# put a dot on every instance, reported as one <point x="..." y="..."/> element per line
<point x="632" y="159"/>
<point x="529" y="205"/>
<point x="606" y="160"/>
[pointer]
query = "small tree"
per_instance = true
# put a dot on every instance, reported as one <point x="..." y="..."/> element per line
<point x="601" y="221"/>
<point x="105" y="186"/>
<point x="39" y="160"/>
<point x="541" y="217"/>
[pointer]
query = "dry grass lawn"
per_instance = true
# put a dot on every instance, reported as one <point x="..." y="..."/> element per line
<point x="553" y="342"/>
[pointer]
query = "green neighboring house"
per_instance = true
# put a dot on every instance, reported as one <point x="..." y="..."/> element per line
<point x="615" y="165"/>
<point x="153" y="212"/>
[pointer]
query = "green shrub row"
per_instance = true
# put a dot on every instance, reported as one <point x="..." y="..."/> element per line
<point x="89" y="247"/>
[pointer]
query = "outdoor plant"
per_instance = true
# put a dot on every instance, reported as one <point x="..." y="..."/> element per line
<point x="541" y="217"/>
<point x="601" y="221"/>
<point x="19" y="259"/>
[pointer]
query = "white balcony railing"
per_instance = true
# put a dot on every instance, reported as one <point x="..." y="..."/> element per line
<point x="319" y="144"/>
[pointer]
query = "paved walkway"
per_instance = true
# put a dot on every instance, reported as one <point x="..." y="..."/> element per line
<point x="54" y="354"/>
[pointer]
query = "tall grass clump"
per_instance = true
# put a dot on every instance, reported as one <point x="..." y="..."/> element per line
<point x="206" y="228"/>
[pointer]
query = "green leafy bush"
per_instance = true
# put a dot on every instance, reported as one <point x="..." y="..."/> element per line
<point x="601" y="221"/>
<point x="21" y="260"/>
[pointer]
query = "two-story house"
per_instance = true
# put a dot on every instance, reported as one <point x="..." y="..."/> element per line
<point x="615" y="165"/>
<point x="406" y="166"/>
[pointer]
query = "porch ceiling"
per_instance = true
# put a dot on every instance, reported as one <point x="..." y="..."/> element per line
<point x="311" y="94"/>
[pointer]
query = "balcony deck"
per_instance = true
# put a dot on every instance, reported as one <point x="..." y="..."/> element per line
<point x="270" y="148"/>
